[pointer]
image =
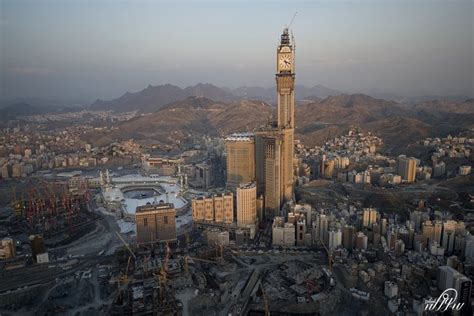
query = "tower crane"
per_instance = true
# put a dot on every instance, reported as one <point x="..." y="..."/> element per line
<point x="292" y="19"/>
<point x="126" y="245"/>
<point x="265" y="301"/>
<point x="124" y="280"/>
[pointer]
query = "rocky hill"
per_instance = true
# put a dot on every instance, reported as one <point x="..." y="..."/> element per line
<point x="316" y="121"/>
<point x="152" y="98"/>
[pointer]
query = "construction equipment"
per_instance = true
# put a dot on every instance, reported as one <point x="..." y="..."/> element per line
<point x="292" y="19"/>
<point x="265" y="301"/>
<point x="202" y="260"/>
<point x="124" y="280"/>
<point x="145" y="266"/>
<point x="126" y="245"/>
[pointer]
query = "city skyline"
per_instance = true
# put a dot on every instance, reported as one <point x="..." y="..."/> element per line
<point x="213" y="201"/>
<point x="90" y="50"/>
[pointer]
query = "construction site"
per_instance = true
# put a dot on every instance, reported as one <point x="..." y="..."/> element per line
<point x="197" y="278"/>
<point x="52" y="212"/>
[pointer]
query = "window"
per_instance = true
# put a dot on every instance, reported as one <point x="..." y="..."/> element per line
<point x="145" y="221"/>
<point x="165" y="219"/>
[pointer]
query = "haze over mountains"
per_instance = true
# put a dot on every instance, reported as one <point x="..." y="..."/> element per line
<point x="153" y="98"/>
<point x="216" y="113"/>
<point x="170" y="114"/>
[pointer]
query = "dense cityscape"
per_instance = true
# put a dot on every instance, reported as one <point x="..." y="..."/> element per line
<point x="102" y="215"/>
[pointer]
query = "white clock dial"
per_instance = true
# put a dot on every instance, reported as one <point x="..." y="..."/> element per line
<point x="285" y="61"/>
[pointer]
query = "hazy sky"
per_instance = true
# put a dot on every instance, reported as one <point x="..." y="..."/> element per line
<point x="101" y="49"/>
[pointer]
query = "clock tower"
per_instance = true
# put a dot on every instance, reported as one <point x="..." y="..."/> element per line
<point x="285" y="80"/>
<point x="274" y="144"/>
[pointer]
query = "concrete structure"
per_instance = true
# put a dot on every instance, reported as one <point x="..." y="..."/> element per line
<point x="7" y="248"/>
<point x="369" y="217"/>
<point x="274" y="144"/>
<point x="215" y="237"/>
<point x="217" y="209"/>
<point x="156" y="223"/>
<point x="283" y="234"/>
<point x="361" y="241"/>
<point x="390" y="289"/>
<point x="321" y="229"/>
<point x="464" y="170"/>
<point x="240" y="150"/>
<point x="406" y="168"/>
<point x="300" y="232"/>
<point x="37" y="245"/>
<point x="162" y="165"/>
<point x="348" y="235"/>
<point x="246" y="204"/>
<point x="451" y="278"/>
<point x="42" y="258"/>
<point x="335" y="239"/>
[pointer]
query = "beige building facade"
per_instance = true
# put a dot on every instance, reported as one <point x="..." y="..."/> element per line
<point x="246" y="204"/>
<point x="240" y="149"/>
<point x="156" y="223"/>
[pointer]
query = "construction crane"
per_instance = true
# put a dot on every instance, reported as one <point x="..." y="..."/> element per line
<point x="292" y="19"/>
<point x="124" y="280"/>
<point x="161" y="279"/>
<point x="265" y="301"/>
<point x="145" y="266"/>
<point x="126" y="245"/>
<point x="202" y="260"/>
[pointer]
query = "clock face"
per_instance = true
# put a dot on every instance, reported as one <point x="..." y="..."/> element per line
<point x="285" y="61"/>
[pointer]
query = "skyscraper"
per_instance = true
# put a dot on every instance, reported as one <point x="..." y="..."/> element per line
<point x="240" y="149"/>
<point x="348" y="234"/>
<point x="275" y="143"/>
<point x="369" y="217"/>
<point x="406" y="168"/>
<point x="246" y="204"/>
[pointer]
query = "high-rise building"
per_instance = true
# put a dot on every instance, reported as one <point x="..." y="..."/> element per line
<point x="36" y="245"/>
<point x="156" y="223"/>
<point x="214" y="210"/>
<point x="369" y="217"/>
<point x="283" y="234"/>
<point x="348" y="235"/>
<point x="240" y="150"/>
<point x="7" y="248"/>
<point x="322" y="225"/>
<point x="300" y="231"/>
<point x="451" y="278"/>
<point x="335" y="239"/>
<point x="406" y="168"/>
<point x="246" y="204"/>
<point x="361" y="241"/>
<point x="449" y="231"/>
<point x="274" y="144"/>
<point x="390" y="289"/>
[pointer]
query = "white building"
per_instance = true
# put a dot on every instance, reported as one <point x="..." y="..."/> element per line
<point x="335" y="239"/>
<point x="464" y="170"/>
<point x="390" y="289"/>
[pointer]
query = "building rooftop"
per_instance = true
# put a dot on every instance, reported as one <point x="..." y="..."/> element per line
<point x="240" y="137"/>
<point x="154" y="206"/>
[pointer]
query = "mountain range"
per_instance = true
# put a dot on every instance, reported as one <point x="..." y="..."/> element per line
<point x="152" y="98"/>
<point x="317" y="121"/>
